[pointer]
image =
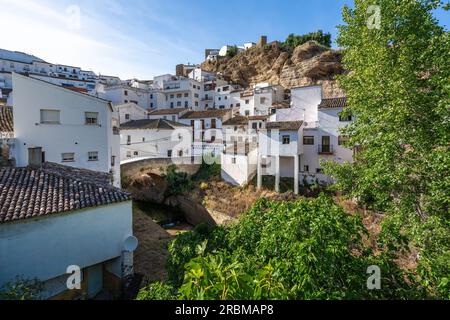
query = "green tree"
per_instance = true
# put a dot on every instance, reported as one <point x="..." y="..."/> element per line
<point x="307" y="249"/>
<point x="398" y="89"/>
<point x="295" y="40"/>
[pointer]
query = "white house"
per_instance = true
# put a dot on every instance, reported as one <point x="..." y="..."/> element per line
<point x="154" y="138"/>
<point x="6" y="134"/>
<point x="239" y="158"/>
<point x="207" y="129"/>
<point x="123" y="94"/>
<point x="63" y="126"/>
<point x="130" y="111"/>
<point x="55" y="222"/>
<point x="258" y="100"/>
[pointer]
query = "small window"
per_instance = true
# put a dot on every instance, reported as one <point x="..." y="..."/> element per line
<point x="136" y="153"/>
<point x="286" y="139"/>
<point x="179" y="95"/>
<point x="128" y="154"/>
<point x="91" y="117"/>
<point x="233" y="160"/>
<point x="173" y="118"/>
<point x="308" y="140"/>
<point x="319" y="170"/>
<point x="186" y="95"/>
<point x="50" y="116"/>
<point x="178" y="103"/>
<point x="68" y="157"/>
<point x="169" y="153"/>
<point x="143" y="139"/>
<point x="247" y="113"/>
<point x="345" y="117"/>
<point x="247" y="101"/>
<point x="93" y="156"/>
<point x="342" y="140"/>
<point x="125" y="92"/>
<point x="254" y="125"/>
<point x="180" y="153"/>
<point x="305" y="168"/>
<point x="262" y="100"/>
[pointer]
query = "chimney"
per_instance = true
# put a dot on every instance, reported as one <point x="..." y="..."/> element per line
<point x="262" y="41"/>
<point x="35" y="157"/>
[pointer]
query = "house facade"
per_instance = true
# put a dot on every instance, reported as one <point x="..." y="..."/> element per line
<point x="56" y="223"/>
<point x="63" y="126"/>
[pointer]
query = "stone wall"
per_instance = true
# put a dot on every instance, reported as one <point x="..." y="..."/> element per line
<point x="157" y="166"/>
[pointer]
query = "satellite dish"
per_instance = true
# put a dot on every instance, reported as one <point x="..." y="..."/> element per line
<point x="130" y="244"/>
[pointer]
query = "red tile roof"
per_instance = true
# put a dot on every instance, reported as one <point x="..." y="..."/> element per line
<point x="29" y="193"/>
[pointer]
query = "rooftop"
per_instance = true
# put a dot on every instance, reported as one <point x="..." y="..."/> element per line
<point x="211" y="113"/>
<point x="333" y="103"/>
<point x="160" y="112"/>
<point x="6" y="119"/>
<point x="27" y="193"/>
<point x="160" y="124"/>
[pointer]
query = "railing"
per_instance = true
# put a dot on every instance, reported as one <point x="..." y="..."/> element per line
<point x="325" y="149"/>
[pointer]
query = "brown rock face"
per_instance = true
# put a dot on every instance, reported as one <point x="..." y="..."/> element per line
<point x="148" y="187"/>
<point x="308" y="64"/>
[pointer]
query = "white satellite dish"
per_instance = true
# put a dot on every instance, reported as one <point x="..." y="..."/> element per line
<point x="130" y="244"/>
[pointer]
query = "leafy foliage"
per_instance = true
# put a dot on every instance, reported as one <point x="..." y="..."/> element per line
<point x="308" y="249"/>
<point x="157" y="291"/>
<point x="318" y="36"/>
<point x="398" y="89"/>
<point x="179" y="182"/>
<point x="21" y="289"/>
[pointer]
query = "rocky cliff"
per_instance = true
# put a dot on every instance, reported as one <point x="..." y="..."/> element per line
<point x="307" y="64"/>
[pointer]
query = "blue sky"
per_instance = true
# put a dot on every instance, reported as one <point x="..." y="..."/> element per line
<point x="143" y="38"/>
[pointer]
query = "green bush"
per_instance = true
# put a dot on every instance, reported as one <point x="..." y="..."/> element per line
<point x="307" y="249"/>
<point x="157" y="291"/>
<point x="179" y="182"/>
<point x="293" y="41"/>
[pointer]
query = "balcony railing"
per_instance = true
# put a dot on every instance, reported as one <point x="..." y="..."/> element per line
<point x="325" y="149"/>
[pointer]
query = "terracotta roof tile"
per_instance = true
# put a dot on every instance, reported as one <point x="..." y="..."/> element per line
<point x="6" y="119"/>
<point x="284" y="125"/>
<point x="167" y="111"/>
<point x="211" y="113"/>
<point x="151" y="124"/>
<point x="333" y="103"/>
<point x="28" y="193"/>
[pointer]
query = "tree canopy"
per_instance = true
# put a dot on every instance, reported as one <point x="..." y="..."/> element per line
<point x="295" y="40"/>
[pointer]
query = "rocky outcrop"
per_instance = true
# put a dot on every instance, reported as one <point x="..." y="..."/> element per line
<point x="148" y="187"/>
<point x="194" y="212"/>
<point x="307" y="64"/>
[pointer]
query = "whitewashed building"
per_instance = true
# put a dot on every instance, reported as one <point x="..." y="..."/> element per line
<point x="62" y="126"/>
<point x="157" y="138"/>
<point x="58" y="222"/>
<point x="124" y="94"/>
<point x="131" y="111"/>
<point x="168" y="114"/>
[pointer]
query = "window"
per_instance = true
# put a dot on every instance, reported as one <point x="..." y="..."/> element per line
<point x="254" y="125"/>
<point x="151" y="105"/>
<point x="135" y="153"/>
<point x="178" y="103"/>
<point x="345" y="117"/>
<point x="50" y="116"/>
<point x="196" y="103"/>
<point x="262" y="100"/>
<point x="342" y="140"/>
<point x="172" y="96"/>
<point x="319" y="170"/>
<point x="186" y="95"/>
<point x="247" y="113"/>
<point x="179" y="95"/>
<point x="93" y="156"/>
<point x="220" y="98"/>
<point x="233" y="160"/>
<point x="143" y="139"/>
<point x="68" y="157"/>
<point x="113" y="161"/>
<point x="238" y="105"/>
<point x="308" y="140"/>
<point x="128" y="154"/>
<point x="180" y="153"/>
<point x="305" y="168"/>
<point x="125" y="92"/>
<point x="247" y="101"/>
<point x="173" y="118"/>
<point x="91" y="117"/>
<point x="169" y="153"/>
<point x="151" y="96"/>
<point x="171" y="105"/>
<point x="128" y="140"/>
<point x="186" y="103"/>
<point x="286" y="139"/>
